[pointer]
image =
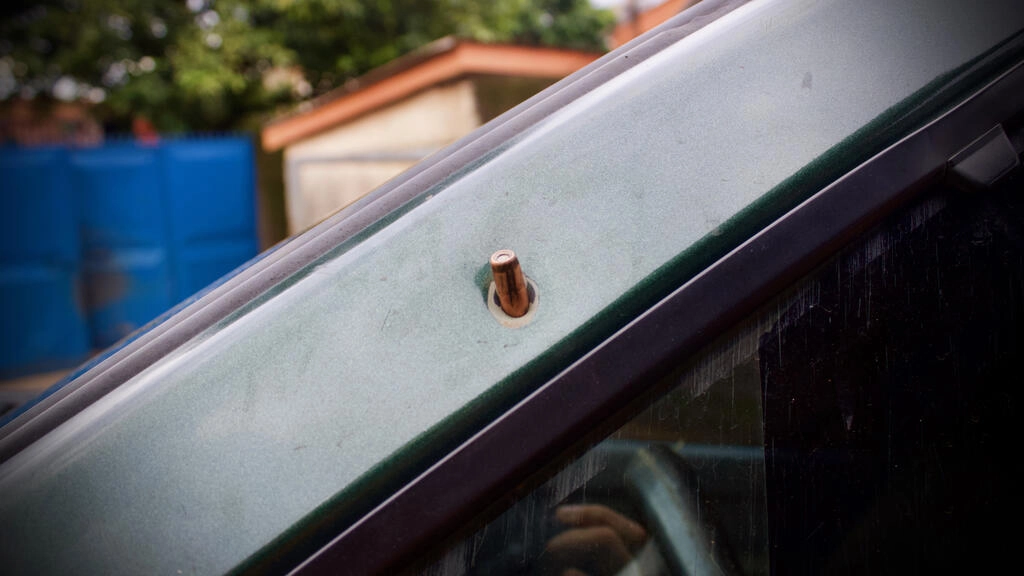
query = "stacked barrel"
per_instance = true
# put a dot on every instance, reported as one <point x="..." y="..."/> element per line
<point x="96" y="242"/>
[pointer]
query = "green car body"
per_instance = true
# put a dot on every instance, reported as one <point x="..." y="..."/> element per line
<point x="310" y="401"/>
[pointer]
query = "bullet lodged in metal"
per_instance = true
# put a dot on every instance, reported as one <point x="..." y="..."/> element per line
<point x="510" y="283"/>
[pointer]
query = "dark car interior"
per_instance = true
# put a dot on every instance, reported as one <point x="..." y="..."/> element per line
<point x="862" y="422"/>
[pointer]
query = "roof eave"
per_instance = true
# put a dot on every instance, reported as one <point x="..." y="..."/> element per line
<point x="460" y="59"/>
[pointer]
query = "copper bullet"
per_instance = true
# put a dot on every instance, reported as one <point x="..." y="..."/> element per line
<point x="510" y="283"/>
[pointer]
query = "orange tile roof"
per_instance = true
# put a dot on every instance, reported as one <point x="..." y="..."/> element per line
<point x="441" y="61"/>
<point x="644" y="21"/>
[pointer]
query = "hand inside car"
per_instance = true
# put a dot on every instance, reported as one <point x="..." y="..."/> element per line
<point x="599" y="542"/>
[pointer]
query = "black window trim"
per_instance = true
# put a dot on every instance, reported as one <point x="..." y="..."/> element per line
<point x="552" y="419"/>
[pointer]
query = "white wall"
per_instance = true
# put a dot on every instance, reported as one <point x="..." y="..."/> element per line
<point x="332" y="169"/>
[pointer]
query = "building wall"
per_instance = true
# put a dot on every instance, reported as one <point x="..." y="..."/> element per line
<point x="326" y="187"/>
<point x="330" y="170"/>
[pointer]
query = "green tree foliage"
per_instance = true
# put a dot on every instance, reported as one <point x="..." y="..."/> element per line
<point x="223" y="64"/>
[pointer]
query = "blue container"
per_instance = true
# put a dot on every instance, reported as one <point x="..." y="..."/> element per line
<point x="159" y="223"/>
<point x="96" y="242"/>
<point x="210" y="190"/>
<point x="42" y="321"/>
<point x="125" y="239"/>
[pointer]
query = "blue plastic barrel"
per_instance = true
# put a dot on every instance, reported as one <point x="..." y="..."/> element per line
<point x="99" y="241"/>
<point x="211" y="194"/>
<point x="42" y="322"/>
<point x="159" y="223"/>
<point x="123" y="223"/>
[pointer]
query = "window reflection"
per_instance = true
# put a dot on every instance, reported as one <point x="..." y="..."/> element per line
<point x="679" y="489"/>
<point x="881" y="387"/>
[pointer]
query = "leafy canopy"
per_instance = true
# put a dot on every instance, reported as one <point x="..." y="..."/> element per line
<point x="224" y="64"/>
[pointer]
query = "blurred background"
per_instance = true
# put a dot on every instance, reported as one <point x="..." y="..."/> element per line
<point x="149" y="147"/>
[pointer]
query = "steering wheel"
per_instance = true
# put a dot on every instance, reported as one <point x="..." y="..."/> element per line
<point x="668" y="495"/>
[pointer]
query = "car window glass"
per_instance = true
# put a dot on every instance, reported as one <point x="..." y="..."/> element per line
<point x="678" y="489"/>
<point x="860" y="420"/>
<point x="891" y="398"/>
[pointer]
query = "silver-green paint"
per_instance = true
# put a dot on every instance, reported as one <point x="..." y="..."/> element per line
<point x="341" y="377"/>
